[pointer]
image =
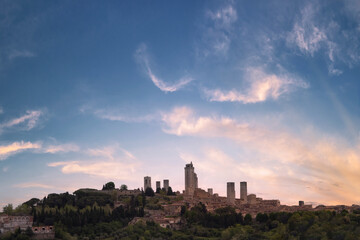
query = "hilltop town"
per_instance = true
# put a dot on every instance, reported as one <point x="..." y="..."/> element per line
<point x="162" y="206"/>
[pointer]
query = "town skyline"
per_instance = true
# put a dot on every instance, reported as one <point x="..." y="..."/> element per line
<point x="262" y="92"/>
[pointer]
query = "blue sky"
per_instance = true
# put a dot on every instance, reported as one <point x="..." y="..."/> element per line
<point x="263" y="92"/>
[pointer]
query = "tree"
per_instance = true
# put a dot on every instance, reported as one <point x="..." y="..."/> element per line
<point x="170" y="192"/>
<point x="109" y="186"/>
<point x="29" y="231"/>
<point x="32" y="202"/>
<point x="149" y="192"/>
<point x="123" y="187"/>
<point x="247" y="219"/>
<point x="8" y="209"/>
<point x="262" y="217"/>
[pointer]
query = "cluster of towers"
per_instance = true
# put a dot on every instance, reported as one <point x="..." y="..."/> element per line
<point x="191" y="184"/>
<point x="231" y="192"/>
<point x="147" y="183"/>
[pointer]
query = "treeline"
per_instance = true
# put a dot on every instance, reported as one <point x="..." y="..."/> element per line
<point x="221" y="218"/>
<point x="85" y="208"/>
<point x="225" y="223"/>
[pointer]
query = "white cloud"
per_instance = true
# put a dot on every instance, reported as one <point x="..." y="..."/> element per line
<point x="115" y="116"/>
<point x="217" y="36"/>
<point x="20" y="53"/>
<point x="29" y="120"/>
<point x="305" y="34"/>
<point x="69" y="147"/>
<point x="327" y="165"/>
<point x="16" y="147"/>
<point x="111" y="162"/>
<point x="262" y="86"/>
<point x="319" y="33"/>
<point x="33" y="185"/>
<point x="143" y="58"/>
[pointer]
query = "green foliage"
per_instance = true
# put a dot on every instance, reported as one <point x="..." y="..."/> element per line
<point x="170" y="192"/>
<point x="89" y="214"/>
<point x="17" y="235"/>
<point x="123" y="187"/>
<point x="109" y="186"/>
<point x="222" y="218"/>
<point x="32" y="202"/>
<point x="8" y="209"/>
<point x="149" y="192"/>
<point x="247" y="219"/>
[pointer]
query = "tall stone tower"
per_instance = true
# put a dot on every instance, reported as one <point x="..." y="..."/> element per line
<point x="243" y="191"/>
<point x="147" y="182"/>
<point x="190" y="179"/>
<point x="166" y="184"/>
<point x="230" y="193"/>
<point x="158" y="185"/>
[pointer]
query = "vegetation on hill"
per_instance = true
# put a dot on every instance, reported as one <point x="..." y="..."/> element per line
<point x="92" y="214"/>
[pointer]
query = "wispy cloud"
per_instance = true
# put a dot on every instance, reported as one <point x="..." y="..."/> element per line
<point x="262" y="86"/>
<point x="62" y="148"/>
<point x="33" y="185"/>
<point x="116" y="116"/>
<point x="1" y="110"/>
<point x="305" y="34"/>
<point x="16" y="147"/>
<point x="20" y="53"/>
<point x="111" y="162"/>
<point x="217" y="35"/>
<point x="143" y="58"/>
<point x="328" y="165"/>
<point x="28" y="120"/>
<point x="314" y="32"/>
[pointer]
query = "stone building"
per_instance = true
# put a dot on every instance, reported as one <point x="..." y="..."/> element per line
<point x="11" y="223"/>
<point x="230" y="190"/>
<point x="210" y="191"/>
<point x="158" y="185"/>
<point x="44" y="232"/>
<point x="191" y="181"/>
<point x="147" y="182"/>
<point x="251" y="198"/>
<point x="166" y="184"/>
<point x="243" y="191"/>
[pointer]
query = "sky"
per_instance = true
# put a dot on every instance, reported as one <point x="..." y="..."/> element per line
<point x="260" y="91"/>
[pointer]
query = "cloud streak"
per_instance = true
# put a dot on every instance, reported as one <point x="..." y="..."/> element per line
<point x="110" y="162"/>
<point x="62" y="148"/>
<point x="115" y="116"/>
<point x="16" y="147"/>
<point x="33" y="185"/>
<point x="313" y="32"/>
<point x="29" y="120"/>
<point x="17" y="53"/>
<point x="262" y="87"/>
<point x="329" y="166"/>
<point x="142" y="57"/>
<point x="217" y="36"/>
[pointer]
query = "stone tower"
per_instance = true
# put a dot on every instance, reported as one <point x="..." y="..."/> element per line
<point x="147" y="182"/>
<point x="166" y="184"/>
<point x="230" y="193"/>
<point x="158" y="185"/>
<point x="210" y="191"/>
<point x="243" y="191"/>
<point x="190" y="180"/>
